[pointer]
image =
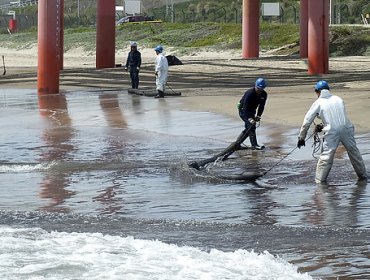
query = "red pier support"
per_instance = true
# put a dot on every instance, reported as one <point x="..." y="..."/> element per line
<point x="318" y="36"/>
<point x="48" y="46"/>
<point x="105" y="34"/>
<point x="61" y="33"/>
<point x="303" y="42"/>
<point x="251" y="28"/>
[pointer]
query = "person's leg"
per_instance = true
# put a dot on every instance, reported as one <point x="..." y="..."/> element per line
<point x="349" y="142"/>
<point x="160" y="85"/>
<point x="325" y="162"/>
<point x="136" y="79"/>
<point x="324" y="165"/>
<point x="160" y="94"/>
<point x="132" y="77"/>
<point x="253" y="139"/>
<point x="244" y="134"/>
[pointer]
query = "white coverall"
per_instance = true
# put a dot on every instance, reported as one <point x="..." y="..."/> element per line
<point x="337" y="128"/>
<point x="161" y="69"/>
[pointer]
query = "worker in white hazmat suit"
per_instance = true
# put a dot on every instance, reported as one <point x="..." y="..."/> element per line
<point x="337" y="129"/>
<point x="161" y="71"/>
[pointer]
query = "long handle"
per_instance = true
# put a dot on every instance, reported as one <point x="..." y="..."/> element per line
<point x="4" y="65"/>
<point x="234" y="146"/>
<point x="288" y="154"/>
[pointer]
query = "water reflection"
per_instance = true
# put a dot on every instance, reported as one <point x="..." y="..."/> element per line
<point x="112" y="112"/>
<point x="164" y="113"/>
<point x="261" y="205"/>
<point x="110" y="196"/>
<point x="136" y="104"/>
<point x="331" y="205"/>
<point x="57" y="147"/>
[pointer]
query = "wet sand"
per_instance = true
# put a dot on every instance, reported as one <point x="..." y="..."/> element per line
<point x="215" y="82"/>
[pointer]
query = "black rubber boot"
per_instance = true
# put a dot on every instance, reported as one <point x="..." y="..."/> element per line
<point x="160" y="94"/>
<point x="253" y="139"/>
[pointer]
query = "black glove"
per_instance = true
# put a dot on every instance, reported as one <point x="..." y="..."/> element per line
<point x="319" y="127"/>
<point x="252" y="121"/>
<point x="301" y="142"/>
<point x="257" y="118"/>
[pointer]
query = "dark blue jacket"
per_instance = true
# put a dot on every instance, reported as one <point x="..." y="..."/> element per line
<point x="250" y="102"/>
<point x="133" y="59"/>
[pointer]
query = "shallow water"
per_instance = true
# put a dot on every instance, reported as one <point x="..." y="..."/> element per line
<point x="116" y="164"/>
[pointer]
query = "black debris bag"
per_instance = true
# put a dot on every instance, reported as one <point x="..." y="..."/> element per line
<point x="173" y="60"/>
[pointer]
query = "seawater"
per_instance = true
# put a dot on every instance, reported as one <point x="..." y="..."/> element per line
<point x="96" y="184"/>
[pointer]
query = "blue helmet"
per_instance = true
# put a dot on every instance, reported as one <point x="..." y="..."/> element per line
<point x="260" y="83"/>
<point x="322" y="85"/>
<point x="159" y="48"/>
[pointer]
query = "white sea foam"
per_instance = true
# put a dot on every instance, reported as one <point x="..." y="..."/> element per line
<point x="24" y="167"/>
<point x="37" y="254"/>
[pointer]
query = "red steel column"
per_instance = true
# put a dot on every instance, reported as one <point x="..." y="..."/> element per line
<point x="318" y="36"/>
<point x="48" y="46"/>
<point x="251" y="28"/>
<point x="105" y="33"/>
<point x="303" y="43"/>
<point x="61" y="34"/>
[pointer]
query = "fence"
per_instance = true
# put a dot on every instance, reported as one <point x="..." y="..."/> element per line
<point x="17" y="4"/>
<point x="221" y="14"/>
<point x="341" y="14"/>
<point x="24" y="22"/>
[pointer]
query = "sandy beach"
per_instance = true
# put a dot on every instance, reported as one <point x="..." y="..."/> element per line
<point x="213" y="81"/>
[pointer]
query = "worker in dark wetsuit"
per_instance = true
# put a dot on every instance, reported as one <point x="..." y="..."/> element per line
<point x="134" y="63"/>
<point x="251" y="108"/>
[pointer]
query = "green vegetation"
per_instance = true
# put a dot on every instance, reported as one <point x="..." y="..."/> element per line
<point x="349" y="40"/>
<point x="18" y="41"/>
<point x="344" y="40"/>
<point x="200" y="35"/>
<point x="182" y="35"/>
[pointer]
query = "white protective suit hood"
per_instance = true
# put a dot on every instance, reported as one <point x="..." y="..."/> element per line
<point x="332" y="112"/>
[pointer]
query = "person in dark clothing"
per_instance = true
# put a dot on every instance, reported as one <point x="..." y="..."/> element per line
<point x="134" y="63"/>
<point x="251" y="107"/>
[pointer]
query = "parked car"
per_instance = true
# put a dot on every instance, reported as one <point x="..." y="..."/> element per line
<point x="136" y="18"/>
